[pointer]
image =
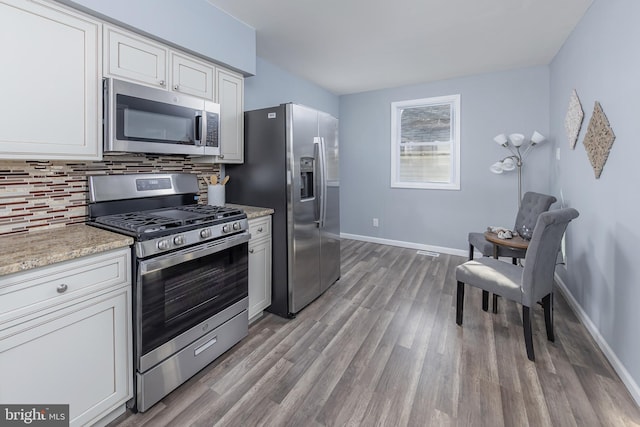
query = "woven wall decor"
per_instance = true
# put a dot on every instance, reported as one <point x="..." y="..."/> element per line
<point x="599" y="139"/>
<point x="573" y="119"/>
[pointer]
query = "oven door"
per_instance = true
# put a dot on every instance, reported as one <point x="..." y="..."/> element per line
<point x="178" y="294"/>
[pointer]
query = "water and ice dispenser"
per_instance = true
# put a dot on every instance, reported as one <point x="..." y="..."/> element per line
<point x="306" y="177"/>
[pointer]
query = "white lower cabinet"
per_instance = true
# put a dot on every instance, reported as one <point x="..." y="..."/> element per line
<point x="259" y="266"/>
<point x="79" y="351"/>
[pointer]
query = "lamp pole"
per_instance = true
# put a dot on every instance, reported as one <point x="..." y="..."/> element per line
<point x="513" y="144"/>
<point x="519" y="165"/>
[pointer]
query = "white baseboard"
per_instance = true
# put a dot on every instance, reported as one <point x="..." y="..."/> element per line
<point x="626" y="378"/>
<point x="402" y="244"/>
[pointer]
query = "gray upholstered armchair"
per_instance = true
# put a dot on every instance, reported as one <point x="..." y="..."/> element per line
<point x="532" y="205"/>
<point x="524" y="285"/>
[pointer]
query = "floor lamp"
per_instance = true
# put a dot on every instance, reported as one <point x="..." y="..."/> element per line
<point x="519" y="149"/>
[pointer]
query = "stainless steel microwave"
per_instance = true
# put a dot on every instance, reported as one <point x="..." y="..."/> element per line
<point x="140" y="119"/>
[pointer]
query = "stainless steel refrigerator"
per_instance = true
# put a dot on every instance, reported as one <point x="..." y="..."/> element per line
<point x="291" y="165"/>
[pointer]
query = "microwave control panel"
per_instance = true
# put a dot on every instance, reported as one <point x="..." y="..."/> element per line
<point x="212" y="139"/>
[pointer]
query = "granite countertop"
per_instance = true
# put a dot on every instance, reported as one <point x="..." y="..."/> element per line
<point x="252" y="211"/>
<point x="25" y="251"/>
<point x="21" y="252"/>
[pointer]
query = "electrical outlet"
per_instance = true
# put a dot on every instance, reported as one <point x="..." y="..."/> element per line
<point x="375" y="222"/>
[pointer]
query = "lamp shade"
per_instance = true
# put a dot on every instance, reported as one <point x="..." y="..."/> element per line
<point x="501" y="139"/>
<point x="508" y="164"/>
<point x="537" y="138"/>
<point x="516" y="139"/>
<point x="496" y="168"/>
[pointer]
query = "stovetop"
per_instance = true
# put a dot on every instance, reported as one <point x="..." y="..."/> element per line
<point x="161" y="222"/>
<point x="157" y="210"/>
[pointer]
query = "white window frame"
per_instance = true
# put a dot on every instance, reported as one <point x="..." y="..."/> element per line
<point x="396" y="109"/>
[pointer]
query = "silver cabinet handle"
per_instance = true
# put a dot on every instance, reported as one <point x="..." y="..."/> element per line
<point x="175" y="87"/>
<point x="162" y="82"/>
<point x="251" y="251"/>
<point x="62" y="288"/>
<point x="260" y="230"/>
<point x="221" y="156"/>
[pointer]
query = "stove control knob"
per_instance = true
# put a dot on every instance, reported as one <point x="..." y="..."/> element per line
<point x="236" y="226"/>
<point x="178" y="240"/>
<point x="226" y="228"/>
<point x="205" y="233"/>
<point x="163" y="244"/>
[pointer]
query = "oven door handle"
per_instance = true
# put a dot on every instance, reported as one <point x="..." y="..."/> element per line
<point x="194" y="252"/>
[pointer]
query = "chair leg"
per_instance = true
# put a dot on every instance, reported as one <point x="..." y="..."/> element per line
<point x="495" y="303"/>
<point x="485" y="300"/>
<point x="547" y="303"/>
<point x="470" y="251"/>
<point x="459" y="303"/>
<point x="528" y="337"/>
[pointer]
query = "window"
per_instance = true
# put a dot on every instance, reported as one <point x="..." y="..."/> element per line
<point x="425" y="143"/>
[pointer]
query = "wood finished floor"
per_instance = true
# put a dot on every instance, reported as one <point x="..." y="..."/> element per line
<point x="381" y="347"/>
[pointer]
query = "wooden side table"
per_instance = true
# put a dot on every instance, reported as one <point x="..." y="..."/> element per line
<point x="515" y="242"/>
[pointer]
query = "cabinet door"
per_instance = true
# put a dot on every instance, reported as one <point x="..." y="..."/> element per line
<point x="231" y="99"/>
<point x="50" y="82"/>
<point x="192" y="77"/>
<point x="80" y="355"/>
<point x="259" y="277"/>
<point x="135" y="58"/>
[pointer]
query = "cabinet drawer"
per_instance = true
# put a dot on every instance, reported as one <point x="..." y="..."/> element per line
<point x="260" y="228"/>
<point x="30" y="292"/>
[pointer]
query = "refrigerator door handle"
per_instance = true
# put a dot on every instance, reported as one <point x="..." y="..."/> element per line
<point x="323" y="183"/>
<point x="317" y="180"/>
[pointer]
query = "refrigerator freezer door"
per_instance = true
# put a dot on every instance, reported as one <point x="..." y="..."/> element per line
<point x="304" y="241"/>
<point x="330" y="230"/>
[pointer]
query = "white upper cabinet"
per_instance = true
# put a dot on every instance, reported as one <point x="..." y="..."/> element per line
<point x="231" y="100"/>
<point x="138" y="59"/>
<point x="134" y="58"/>
<point x="129" y="56"/>
<point x="192" y="77"/>
<point x="50" y="82"/>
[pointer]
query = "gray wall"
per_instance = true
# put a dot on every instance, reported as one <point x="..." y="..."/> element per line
<point x="513" y="101"/>
<point x="194" y="25"/>
<point x="600" y="60"/>
<point x="274" y="86"/>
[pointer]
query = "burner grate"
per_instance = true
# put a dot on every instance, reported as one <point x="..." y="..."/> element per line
<point x="211" y="212"/>
<point x="138" y="222"/>
<point x="146" y="222"/>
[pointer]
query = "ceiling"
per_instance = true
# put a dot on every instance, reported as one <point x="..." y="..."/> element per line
<point x="349" y="46"/>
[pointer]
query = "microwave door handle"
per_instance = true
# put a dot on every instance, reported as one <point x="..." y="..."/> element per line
<point x="200" y="124"/>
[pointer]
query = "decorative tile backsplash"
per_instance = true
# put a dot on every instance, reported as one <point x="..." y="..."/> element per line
<point x="43" y="194"/>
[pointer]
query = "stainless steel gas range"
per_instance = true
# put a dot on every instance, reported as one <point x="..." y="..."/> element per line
<point x="190" y="275"/>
